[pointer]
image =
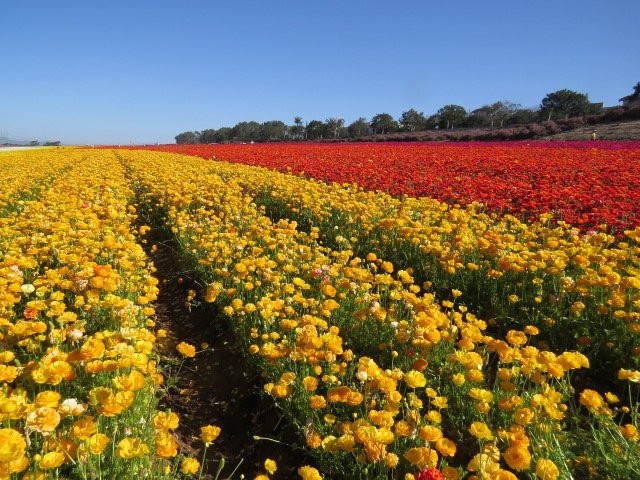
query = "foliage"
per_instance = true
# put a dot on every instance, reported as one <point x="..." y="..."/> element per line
<point x="452" y="116"/>
<point x="564" y="103"/>
<point x="383" y="123"/>
<point x="412" y="120"/>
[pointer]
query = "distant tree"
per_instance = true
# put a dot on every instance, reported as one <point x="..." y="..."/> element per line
<point x="433" y="122"/>
<point x="297" y="130"/>
<point x="477" y="119"/>
<point x="208" y="136"/>
<point x="34" y="143"/>
<point x="564" y="103"/>
<point x="315" y="130"/>
<point x="54" y="143"/>
<point x="413" y="121"/>
<point x="334" y="127"/>
<point x="359" y="128"/>
<point x="186" y="138"/>
<point x="222" y="135"/>
<point x="383" y="123"/>
<point x="523" y="116"/>
<point x="452" y="116"/>
<point x="497" y="112"/>
<point x="246" y="131"/>
<point x="271" y="131"/>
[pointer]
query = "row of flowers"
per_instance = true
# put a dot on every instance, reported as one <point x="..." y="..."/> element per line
<point x="585" y="184"/>
<point x="380" y="376"/>
<point x="22" y="180"/>
<point x="78" y="370"/>
<point x="513" y="272"/>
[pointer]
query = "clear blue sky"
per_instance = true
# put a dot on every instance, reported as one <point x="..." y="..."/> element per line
<point x="144" y="70"/>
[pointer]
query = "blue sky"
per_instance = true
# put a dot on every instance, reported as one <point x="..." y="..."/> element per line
<point x="144" y="70"/>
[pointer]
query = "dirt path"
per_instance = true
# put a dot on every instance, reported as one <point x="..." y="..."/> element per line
<point x="217" y="386"/>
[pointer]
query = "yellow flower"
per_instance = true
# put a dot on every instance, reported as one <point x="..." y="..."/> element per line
<point x="422" y="457"/>
<point x="430" y="433"/>
<point x="209" y="433"/>
<point x="51" y="460"/>
<point x="131" y="448"/>
<point x="165" y="421"/>
<point x="592" y="400"/>
<point x="166" y="445"/>
<point x="97" y="443"/>
<point x="480" y="430"/>
<point x="309" y="473"/>
<point x="446" y="447"/>
<point x="504" y="475"/>
<point x="84" y="428"/>
<point x="270" y="466"/>
<point x="186" y="350"/>
<point x="523" y="416"/>
<point x="517" y="457"/>
<point x="190" y="466"/>
<point x="329" y="290"/>
<point x="43" y="420"/>
<point x="12" y="445"/>
<point x="48" y="398"/>
<point x="415" y="379"/>
<point x="546" y="469"/>
<point x="482" y="462"/>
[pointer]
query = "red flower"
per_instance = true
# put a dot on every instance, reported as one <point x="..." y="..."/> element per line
<point x="430" y="474"/>
<point x="582" y="183"/>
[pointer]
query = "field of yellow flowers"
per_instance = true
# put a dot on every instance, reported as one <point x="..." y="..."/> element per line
<point x="402" y="338"/>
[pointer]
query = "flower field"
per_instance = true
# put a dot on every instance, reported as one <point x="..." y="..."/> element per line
<point x="401" y="336"/>
<point x="583" y="183"/>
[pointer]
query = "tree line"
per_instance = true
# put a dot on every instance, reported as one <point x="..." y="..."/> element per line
<point x="558" y="105"/>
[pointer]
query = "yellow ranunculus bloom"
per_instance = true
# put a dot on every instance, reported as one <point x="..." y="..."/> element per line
<point x="209" y="433"/>
<point x="51" y="460"/>
<point x="186" y="350"/>
<point x="97" y="443"/>
<point x="12" y="444"/>
<point x="546" y="469"/>
<point x="132" y="448"/>
<point x="309" y="473"/>
<point x="189" y="466"/>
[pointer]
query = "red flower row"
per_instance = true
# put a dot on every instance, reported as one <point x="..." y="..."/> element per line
<point x="583" y="183"/>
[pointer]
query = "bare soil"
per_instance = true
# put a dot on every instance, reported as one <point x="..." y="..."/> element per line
<point x="218" y="386"/>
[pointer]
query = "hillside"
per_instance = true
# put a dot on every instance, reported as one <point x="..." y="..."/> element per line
<point x="605" y="131"/>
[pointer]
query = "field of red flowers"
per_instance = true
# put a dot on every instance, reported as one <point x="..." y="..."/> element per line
<point x="583" y="183"/>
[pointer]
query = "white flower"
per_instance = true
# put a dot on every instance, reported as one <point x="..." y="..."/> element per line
<point x="75" y="335"/>
<point x="362" y="375"/>
<point x="27" y="288"/>
<point x="71" y="406"/>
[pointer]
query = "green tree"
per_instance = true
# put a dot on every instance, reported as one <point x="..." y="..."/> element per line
<point x="413" y="121"/>
<point x="186" y="138"/>
<point x="208" y="136"/>
<point x="523" y="116"/>
<point x="246" y="131"/>
<point x="433" y="122"/>
<point x="297" y="130"/>
<point x="564" y="103"/>
<point x="222" y="135"/>
<point x="272" y="131"/>
<point x="452" y="116"/>
<point x="315" y="130"/>
<point x="334" y="127"/>
<point x="359" y="128"/>
<point x="383" y="123"/>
